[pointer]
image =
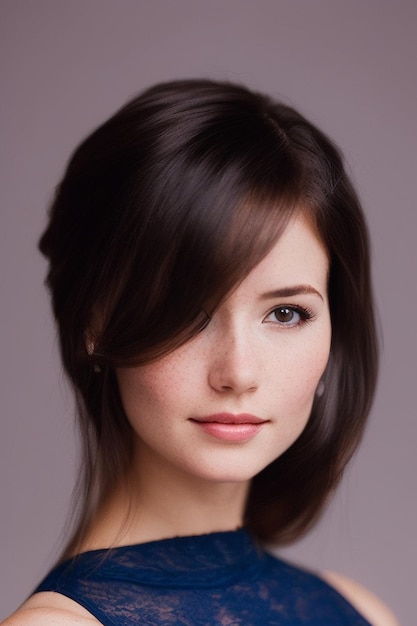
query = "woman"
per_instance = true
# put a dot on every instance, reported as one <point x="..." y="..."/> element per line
<point x="209" y="273"/>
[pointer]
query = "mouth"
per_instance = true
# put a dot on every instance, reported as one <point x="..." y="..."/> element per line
<point x="230" y="427"/>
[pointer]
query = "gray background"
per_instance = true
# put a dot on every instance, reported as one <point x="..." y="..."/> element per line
<point x="350" y="67"/>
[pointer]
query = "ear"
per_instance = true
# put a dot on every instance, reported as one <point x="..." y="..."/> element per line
<point x="90" y="342"/>
<point x="93" y="331"/>
<point x="320" y="388"/>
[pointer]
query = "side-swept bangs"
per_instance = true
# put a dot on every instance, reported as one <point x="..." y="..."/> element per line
<point x="168" y="205"/>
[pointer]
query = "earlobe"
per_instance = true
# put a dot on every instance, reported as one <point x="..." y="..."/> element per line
<point x="326" y="376"/>
<point x="90" y="346"/>
<point x="320" y="388"/>
<point x="93" y="330"/>
<point x="90" y="342"/>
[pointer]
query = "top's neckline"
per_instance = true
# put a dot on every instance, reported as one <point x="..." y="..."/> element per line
<point x="186" y="561"/>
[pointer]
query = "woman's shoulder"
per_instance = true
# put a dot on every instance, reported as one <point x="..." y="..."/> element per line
<point x="48" y="608"/>
<point x="371" y="607"/>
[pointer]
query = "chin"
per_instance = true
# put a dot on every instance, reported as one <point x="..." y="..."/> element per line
<point x="227" y="473"/>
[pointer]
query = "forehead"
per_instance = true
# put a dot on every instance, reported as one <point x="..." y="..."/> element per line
<point x="298" y="257"/>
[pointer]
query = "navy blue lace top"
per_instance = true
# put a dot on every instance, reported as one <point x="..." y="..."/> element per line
<point x="220" y="579"/>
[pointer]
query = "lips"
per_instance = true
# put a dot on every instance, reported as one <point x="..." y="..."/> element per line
<point x="229" y="418"/>
<point x="230" y="427"/>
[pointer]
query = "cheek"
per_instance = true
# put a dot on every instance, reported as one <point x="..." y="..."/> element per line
<point x="299" y="383"/>
<point x="137" y="391"/>
<point x="150" y="390"/>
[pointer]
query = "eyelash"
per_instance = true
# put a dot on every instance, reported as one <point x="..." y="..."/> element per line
<point x="306" y="315"/>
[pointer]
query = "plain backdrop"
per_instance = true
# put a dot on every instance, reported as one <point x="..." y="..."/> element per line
<point x="348" y="66"/>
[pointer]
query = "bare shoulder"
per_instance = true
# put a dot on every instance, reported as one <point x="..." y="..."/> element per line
<point x="49" y="609"/>
<point x="371" y="607"/>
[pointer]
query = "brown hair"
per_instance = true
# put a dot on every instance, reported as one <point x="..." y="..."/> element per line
<point x="162" y="211"/>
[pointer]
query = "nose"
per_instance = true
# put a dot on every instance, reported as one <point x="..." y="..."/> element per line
<point x="234" y="367"/>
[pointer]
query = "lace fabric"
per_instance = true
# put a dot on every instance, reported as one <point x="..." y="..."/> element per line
<point x="220" y="579"/>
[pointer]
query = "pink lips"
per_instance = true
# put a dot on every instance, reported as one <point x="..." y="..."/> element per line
<point x="229" y="427"/>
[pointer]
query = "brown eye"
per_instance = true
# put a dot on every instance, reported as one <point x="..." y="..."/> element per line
<point x="289" y="316"/>
<point x="284" y="315"/>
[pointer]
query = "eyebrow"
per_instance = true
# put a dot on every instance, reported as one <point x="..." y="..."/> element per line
<point x="286" y="292"/>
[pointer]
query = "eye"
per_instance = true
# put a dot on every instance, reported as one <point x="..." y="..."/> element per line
<point x="289" y="316"/>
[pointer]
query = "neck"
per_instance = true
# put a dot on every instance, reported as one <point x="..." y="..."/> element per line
<point x="157" y="501"/>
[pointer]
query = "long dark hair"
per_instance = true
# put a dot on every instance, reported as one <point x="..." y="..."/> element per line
<point x="161" y="212"/>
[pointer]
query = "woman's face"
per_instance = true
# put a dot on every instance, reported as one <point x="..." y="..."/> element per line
<point x="236" y="396"/>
